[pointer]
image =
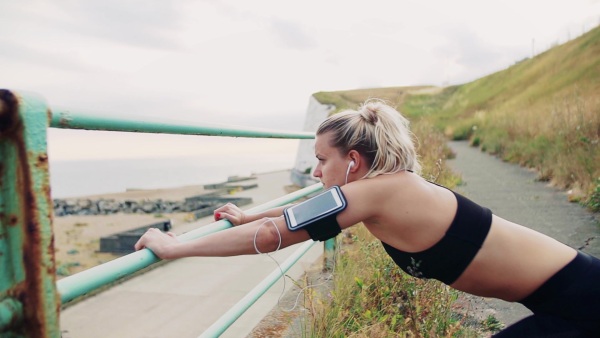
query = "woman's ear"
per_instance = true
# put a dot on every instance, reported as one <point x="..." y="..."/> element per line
<point x="355" y="160"/>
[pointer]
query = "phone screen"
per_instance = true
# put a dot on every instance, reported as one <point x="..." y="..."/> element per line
<point x="318" y="205"/>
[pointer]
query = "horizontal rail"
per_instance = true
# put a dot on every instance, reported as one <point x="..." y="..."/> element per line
<point x="67" y="120"/>
<point x="91" y="279"/>
<point x="235" y="312"/>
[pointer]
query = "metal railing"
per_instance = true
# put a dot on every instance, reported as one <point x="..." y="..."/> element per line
<point x="30" y="297"/>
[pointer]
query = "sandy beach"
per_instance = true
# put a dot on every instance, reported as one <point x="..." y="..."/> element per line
<point x="77" y="238"/>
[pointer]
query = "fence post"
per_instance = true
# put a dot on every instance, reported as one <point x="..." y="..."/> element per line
<point x="29" y="302"/>
<point x="329" y="254"/>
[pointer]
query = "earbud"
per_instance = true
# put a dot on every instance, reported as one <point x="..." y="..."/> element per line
<point x="350" y="165"/>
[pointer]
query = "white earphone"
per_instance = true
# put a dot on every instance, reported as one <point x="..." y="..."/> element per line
<point x="350" y="165"/>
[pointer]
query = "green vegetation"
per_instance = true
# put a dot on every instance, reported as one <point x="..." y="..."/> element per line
<point x="372" y="297"/>
<point x="492" y="324"/>
<point x="542" y="113"/>
<point x="350" y="99"/>
<point x="594" y="200"/>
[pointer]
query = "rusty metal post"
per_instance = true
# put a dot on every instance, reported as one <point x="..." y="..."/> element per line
<point x="30" y="302"/>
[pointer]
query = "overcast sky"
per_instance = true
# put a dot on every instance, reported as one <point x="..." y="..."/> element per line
<point x="257" y="62"/>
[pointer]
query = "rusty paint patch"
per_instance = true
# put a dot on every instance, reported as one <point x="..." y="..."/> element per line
<point x="32" y="256"/>
<point x="35" y="257"/>
<point x="42" y="161"/>
<point x="65" y="119"/>
<point x="9" y="112"/>
<point x="49" y="115"/>
<point x="51" y="268"/>
<point x="13" y="220"/>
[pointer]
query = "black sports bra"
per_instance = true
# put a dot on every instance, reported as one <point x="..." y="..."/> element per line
<point x="447" y="259"/>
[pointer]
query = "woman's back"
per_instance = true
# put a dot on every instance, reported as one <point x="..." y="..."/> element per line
<point x="413" y="215"/>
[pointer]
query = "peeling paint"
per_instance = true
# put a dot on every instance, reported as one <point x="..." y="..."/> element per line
<point x="49" y="115"/>
<point x="22" y="131"/>
<point x="9" y="112"/>
<point x="65" y="119"/>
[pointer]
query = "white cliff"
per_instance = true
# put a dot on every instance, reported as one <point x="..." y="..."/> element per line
<point x="305" y="157"/>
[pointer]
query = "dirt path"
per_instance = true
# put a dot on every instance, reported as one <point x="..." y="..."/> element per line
<point x="512" y="192"/>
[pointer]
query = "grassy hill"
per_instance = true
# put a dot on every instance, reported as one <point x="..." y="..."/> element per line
<point x="541" y="112"/>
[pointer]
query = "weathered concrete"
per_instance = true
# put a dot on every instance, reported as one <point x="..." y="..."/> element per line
<point x="512" y="192"/>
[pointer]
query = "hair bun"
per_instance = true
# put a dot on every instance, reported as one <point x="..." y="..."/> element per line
<point x="369" y="113"/>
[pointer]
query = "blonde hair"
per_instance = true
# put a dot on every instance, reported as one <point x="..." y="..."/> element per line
<point x="379" y="133"/>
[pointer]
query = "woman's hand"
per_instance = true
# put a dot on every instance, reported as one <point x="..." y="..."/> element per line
<point x="232" y="213"/>
<point x="157" y="241"/>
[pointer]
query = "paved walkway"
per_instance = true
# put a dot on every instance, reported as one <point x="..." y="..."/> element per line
<point x="184" y="297"/>
<point x="513" y="193"/>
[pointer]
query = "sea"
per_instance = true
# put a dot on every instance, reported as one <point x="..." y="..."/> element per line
<point x="77" y="178"/>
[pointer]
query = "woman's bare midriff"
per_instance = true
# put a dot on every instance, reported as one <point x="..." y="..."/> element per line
<point x="513" y="262"/>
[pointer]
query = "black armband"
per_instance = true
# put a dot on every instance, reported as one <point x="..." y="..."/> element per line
<point x="324" y="228"/>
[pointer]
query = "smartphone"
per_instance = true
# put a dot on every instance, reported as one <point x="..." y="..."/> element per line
<point x="317" y="207"/>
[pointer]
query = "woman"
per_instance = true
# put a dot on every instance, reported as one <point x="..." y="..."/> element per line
<point x="429" y="231"/>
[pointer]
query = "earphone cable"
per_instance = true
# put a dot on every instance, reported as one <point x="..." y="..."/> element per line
<point x="281" y="269"/>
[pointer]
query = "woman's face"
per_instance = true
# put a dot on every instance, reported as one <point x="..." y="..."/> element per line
<point x="332" y="166"/>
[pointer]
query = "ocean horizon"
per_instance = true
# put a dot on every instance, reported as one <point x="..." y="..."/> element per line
<point x="78" y="178"/>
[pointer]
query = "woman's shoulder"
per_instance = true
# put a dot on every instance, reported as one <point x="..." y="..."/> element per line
<point x="402" y="180"/>
<point x="389" y="185"/>
<point x="394" y="180"/>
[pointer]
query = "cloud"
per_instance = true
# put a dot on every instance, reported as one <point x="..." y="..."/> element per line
<point x="466" y="54"/>
<point x="127" y="22"/>
<point x="28" y="54"/>
<point x="292" y="35"/>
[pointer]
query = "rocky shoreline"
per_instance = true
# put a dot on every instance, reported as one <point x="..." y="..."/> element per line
<point x="197" y="204"/>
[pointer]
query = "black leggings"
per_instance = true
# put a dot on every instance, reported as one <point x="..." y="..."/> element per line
<point x="567" y="305"/>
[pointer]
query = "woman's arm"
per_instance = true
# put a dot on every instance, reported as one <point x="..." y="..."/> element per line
<point x="237" y="216"/>
<point x="264" y="235"/>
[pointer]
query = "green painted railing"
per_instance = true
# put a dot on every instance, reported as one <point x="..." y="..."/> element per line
<point x="223" y="323"/>
<point x="30" y="297"/>
<point x="69" y="120"/>
<point x="91" y="279"/>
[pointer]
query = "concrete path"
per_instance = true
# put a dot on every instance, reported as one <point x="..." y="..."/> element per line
<point x="513" y="193"/>
<point x="184" y="297"/>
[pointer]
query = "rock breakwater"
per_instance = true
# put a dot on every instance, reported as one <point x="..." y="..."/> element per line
<point x="199" y="204"/>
